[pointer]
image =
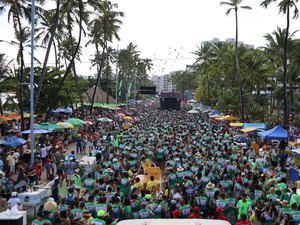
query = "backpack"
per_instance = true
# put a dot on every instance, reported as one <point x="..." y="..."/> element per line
<point x="70" y="199"/>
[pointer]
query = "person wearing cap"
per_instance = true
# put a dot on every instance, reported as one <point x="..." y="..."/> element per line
<point x="195" y="214"/>
<point x="86" y="218"/>
<point x="218" y="215"/>
<point x="180" y="174"/>
<point x="210" y="190"/>
<point x="99" y="220"/>
<point x="14" y="200"/>
<point x="243" y="206"/>
<point x="285" y="208"/>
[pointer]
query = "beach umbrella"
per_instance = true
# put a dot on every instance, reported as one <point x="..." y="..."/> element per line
<point x="88" y="122"/>
<point x="104" y="120"/>
<point x="13" y="141"/>
<point x="36" y="131"/>
<point x="193" y="111"/>
<point x="127" y="118"/>
<point x="75" y="121"/>
<point x="47" y="126"/>
<point x="240" y="138"/>
<point x="121" y="114"/>
<point x="65" y="125"/>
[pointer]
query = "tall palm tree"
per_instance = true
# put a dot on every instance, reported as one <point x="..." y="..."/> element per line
<point x="235" y="5"/>
<point x="284" y="7"/>
<point x="103" y="29"/>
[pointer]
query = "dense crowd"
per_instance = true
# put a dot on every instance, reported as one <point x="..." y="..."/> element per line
<point x="205" y="174"/>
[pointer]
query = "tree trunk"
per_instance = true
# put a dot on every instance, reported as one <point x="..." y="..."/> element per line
<point x="285" y="101"/>
<point x="53" y="30"/>
<point x="54" y="99"/>
<point x="21" y="75"/>
<point x="238" y="72"/>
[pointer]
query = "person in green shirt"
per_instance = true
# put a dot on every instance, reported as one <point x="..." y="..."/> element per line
<point x="125" y="184"/>
<point x="184" y="209"/>
<point x="77" y="180"/>
<point x="76" y="213"/>
<point x="156" y="208"/>
<point x="38" y="220"/>
<point x="243" y="206"/>
<point x="127" y="209"/>
<point x="100" y="218"/>
<point x="101" y="205"/>
<point x="89" y="183"/>
<point x="145" y="213"/>
<point x="90" y="205"/>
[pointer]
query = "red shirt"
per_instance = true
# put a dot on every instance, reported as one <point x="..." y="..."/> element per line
<point x="243" y="223"/>
<point x="220" y="217"/>
<point x="195" y="216"/>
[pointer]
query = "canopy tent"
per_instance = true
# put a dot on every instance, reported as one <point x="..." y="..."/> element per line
<point x="215" y="112"/>
<point x="63" y="110"/>
<point x="100" y="96"/>
<point x="276" y="133"/>
<point x="250" y="129"/>
<point x="260" y="126"/>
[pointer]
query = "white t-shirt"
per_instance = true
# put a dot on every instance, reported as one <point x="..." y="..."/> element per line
<point x="13" y="201"/>
<point x="43" y="152"/>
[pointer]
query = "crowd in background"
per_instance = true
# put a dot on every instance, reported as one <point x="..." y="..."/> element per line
<point x="205" y="174"/>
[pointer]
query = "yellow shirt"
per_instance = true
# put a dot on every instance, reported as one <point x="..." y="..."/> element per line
<point x="146" y="164"/>
<point x="151" y="184"/>
<point x="86" y="221"/>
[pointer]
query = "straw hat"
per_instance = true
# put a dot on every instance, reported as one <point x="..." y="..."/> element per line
<point x="50" y="206"/>
<point x="109" y="170"/>
<point x="198" y="155"/>
<point x="180" y="169"/>
<point x="27" y="151"/>
<point x="284" y="203"/>
<point x="210" y="186"/>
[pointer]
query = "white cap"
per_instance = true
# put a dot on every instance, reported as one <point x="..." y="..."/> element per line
<point x="50" y="199"/>
<point x="14" y="194"/>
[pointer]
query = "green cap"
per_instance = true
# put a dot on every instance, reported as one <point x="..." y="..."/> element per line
<point x="100" y="213"/>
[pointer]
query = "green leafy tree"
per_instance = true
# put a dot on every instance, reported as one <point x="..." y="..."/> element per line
<point x="235" y="5"/>
<point x="284" y="7"/>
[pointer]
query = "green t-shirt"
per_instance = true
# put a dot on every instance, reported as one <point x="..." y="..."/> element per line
<point x="37" y="222"/>
<point x="185" y="211"/>
<point x="97" y="221"/>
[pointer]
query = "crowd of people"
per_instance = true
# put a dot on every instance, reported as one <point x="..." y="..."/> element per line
<point x="204" y="173"/>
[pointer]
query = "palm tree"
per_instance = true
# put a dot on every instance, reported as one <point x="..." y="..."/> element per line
<point x="103" y="29"/>
<point x="204" y="55"/>
<point x="17" y="11"/>
<point x="284" y="7"/>
<point x="5" y="72"/>
<point x="235" y="5"/>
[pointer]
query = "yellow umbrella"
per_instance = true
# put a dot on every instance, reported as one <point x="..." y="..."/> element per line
<point x="127" y="125"/>
<point x="65" y="125"/>
<point x="229" y="118"/>
<point x="127" y="118"/>
<point x="249" y="129"/>
<point x="236" y="124"/>
<point x="27" y="115"/>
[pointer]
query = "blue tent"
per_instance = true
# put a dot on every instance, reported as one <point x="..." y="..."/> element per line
<point x="276" y="133"/>
<point x="260" y="126"/>
<point x="215" y="112"/>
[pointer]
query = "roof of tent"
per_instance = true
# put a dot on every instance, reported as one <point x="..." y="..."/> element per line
<point x="276" y="133"/>
<point x="261" y="126"/>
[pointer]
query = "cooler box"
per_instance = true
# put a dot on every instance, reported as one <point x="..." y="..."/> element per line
<point x="46" y="191"/>
<point x="88" y="163"/>
<point x="34" y="197"/>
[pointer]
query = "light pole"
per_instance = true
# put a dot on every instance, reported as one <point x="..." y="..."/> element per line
<point x="32" y="82"/>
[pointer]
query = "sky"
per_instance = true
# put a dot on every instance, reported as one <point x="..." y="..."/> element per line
<point x="168" y="31"/>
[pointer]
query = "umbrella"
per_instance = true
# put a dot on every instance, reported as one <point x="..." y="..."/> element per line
<point x="121" y="114"/>
<point x="127" y="118"/>
<point x="250" y="129"/>
<point x="104" y="120"/>
<point x="240" y="138"/>
<point x="228" y="117"/>
<point x="215" y="116"/>
<point x="75" y="121"/>
<point x="193" y="111"/>
<point x="36" y="131"/>
<point x="13" y="141"/>
<point x="47" y="126"/>
<point x="65" y="125"/>
<point x="236" y="124"/>
<point x="88" y="122"/>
